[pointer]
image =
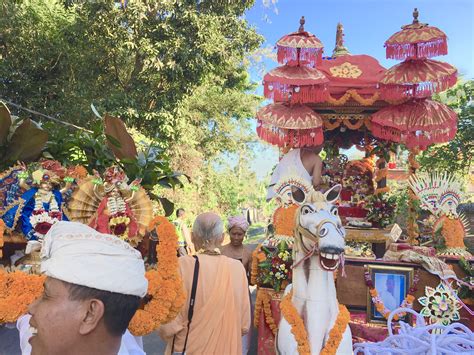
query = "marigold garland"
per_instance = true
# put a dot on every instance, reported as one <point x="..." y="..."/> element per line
<point x="257" y="257"/>
<point x="263" y="303"/>
<point x="165" y="286"/>
<point x="284" y="220"/>
<point x="298" y="329"/>
<point x="356" y="96"/>
<point x="17" y="291"/>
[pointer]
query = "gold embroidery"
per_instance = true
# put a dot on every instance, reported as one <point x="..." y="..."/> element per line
<point x="346" y="70"/>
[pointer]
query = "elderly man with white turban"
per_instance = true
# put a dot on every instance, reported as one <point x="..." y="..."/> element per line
<point x="93" y="288"/>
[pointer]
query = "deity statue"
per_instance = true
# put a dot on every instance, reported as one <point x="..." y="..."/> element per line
<point x="112" y="206"/>
<point x="40" y="205"/>
<point x="340" y="49"/>
<point x="440" y="194"/>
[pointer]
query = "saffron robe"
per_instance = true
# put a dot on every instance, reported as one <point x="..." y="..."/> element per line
<point x="221" y="311"/>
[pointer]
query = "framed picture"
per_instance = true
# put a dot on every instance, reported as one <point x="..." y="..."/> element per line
<point x="392" y="284"/>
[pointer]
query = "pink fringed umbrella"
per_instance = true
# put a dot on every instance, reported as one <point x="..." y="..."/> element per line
<point x="417" y="123"/>
<point x="293" y="126"/>
<point x="295" y="84"/>
<point x="417" y="40"/>
<point x="300" y="48"/>
<point x="417" y="78"/>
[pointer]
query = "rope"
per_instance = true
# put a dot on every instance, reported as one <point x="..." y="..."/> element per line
<point x="421" y="339"/>
<point x="46" y="116"/>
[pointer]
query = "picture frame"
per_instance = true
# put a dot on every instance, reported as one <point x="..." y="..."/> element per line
<point x="392" y="284"/>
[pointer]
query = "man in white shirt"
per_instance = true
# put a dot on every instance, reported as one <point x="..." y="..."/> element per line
<point x="388" y="296"/>
<point x="93" y="288"/>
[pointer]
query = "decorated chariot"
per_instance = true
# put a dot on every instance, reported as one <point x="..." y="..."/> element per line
<point x="351" y="102"/>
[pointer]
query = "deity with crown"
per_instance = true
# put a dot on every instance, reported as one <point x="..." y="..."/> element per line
<point x="39" y="207"/>
<point x="111" y="205"/>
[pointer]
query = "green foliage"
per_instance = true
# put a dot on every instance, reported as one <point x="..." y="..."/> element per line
<point x="137" y="63"/>
<point x="174" y="70"/>
<point x="455" y="156"/>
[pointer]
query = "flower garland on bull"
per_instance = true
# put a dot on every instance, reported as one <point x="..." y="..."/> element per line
<point x="379" y="305"/>
<point x="40" y="206"/>
<point x="298" y="329"/>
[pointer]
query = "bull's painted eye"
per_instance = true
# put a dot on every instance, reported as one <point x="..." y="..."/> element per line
<point x="323" y="232"/>
<point x="306" y="210"/>
<point x="335" y="211"/>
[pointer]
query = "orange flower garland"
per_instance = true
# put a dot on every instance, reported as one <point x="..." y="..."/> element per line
<point x="284" y="220"/>
<point x="264" y="301"/>
<point x="257" y="257"/>
<point x="17" y="291"/>
<point x="165" y="286"/>
<point x="301" y="335"/>
<point x="297" y="325"/>
<point x="356" y="96"/>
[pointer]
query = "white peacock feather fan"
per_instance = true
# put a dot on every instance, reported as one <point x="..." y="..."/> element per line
<point x="439" y="193"/>
<point x="84" y="202"/>
<point x="292" y="189"/>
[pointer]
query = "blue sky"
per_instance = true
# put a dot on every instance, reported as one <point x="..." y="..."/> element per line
<point x="367" y="25"/>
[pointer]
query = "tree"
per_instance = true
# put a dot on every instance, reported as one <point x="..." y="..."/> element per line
<point x="455" y="156"/>
<point x="138" y="62"/>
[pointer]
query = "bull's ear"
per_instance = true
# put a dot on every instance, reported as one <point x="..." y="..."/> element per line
<point x="332" y="195"/>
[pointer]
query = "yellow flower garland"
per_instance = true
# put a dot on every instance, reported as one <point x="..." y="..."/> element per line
<point x="165" y="286"/>
<point x="301" y="335"/>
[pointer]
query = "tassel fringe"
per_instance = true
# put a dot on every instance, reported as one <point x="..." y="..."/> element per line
<point x="420" y="90"/>
<point x="307" y="56"/>
<point x="429" y="49"/>
<point x="290" y="137"/>
<point x="295" y="94"/>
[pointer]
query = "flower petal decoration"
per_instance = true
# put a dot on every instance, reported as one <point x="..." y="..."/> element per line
<point x="416" y="123"/>
<point x="440" y="305"/>
<point x="417" y="40"/>
<point x="293" y="126"/>
<point x="417" y="78"/>
<point x="295" y="84"/>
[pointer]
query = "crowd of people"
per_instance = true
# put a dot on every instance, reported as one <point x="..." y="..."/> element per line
<point x="95" y="283"/>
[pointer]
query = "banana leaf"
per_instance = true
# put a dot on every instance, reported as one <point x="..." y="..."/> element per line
<point x="27" y="142"/>
<point x="5" y="123"/>
<point x="118" y="139"/>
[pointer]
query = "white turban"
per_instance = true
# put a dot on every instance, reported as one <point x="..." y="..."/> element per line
<point x="78" y="254"/>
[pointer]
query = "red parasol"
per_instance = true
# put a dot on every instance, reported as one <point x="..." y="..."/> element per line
<point x="417" y="78"/>
<point x="299" y="48"/>
<point x="417" y="40"/>
<point x="294" y="126"/>
<point x="295" y="84"/>
<point x="417" y="123"/>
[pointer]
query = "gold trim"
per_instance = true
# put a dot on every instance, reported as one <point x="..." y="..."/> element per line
<point x="410" y="271"/>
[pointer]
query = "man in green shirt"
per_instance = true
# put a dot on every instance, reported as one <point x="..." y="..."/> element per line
<point x="186" y="246"/>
